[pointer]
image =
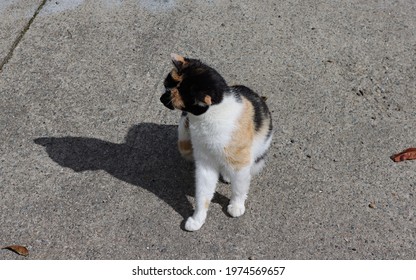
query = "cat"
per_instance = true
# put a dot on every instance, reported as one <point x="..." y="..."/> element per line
<point x="225" y="130"/>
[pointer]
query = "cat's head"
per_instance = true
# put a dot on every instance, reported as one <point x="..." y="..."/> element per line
<point x="192" y="86"/>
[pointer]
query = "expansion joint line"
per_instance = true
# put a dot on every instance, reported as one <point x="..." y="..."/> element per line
<point x="20" y="37"/>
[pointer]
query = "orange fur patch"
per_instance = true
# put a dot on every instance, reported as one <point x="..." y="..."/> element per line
<point x="207" y="100"/>
<point x="177" y="57"/>
<point x="177" y="101"/>
<point x="179" y="60"/>
<point x="238" y="151"/>
<point x="185" y="146"/>
<point x="175" y="75"/>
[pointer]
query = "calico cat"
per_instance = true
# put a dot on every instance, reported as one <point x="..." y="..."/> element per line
<point x="225" y="129"/>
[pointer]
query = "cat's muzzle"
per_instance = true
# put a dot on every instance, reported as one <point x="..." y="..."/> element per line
<point x="167" y="100"/>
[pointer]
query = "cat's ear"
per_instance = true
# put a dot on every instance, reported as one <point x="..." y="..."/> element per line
<point x="180" y="62"/>
<point x="206" y="101"/>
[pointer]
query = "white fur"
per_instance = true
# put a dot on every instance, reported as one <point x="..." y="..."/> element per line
<point x="210" y="133"/>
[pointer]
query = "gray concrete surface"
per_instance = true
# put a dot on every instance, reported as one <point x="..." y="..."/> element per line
<point x="89" y="167"/>
<point x="14" y="18"/>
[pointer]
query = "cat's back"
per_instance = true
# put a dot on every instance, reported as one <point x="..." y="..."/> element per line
<point x="261" y="116"/>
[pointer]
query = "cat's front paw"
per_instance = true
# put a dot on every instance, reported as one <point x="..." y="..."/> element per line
<point x="236" y="210"/>
<point x="193" y="224"/>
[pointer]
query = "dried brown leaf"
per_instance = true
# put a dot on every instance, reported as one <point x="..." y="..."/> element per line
<point x="407" y="154"/>
<point x="21" y="250"/>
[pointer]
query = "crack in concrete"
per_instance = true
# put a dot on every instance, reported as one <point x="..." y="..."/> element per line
<point x="21" y="35"/>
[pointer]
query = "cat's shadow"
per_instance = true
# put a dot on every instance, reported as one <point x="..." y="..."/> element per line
<point x="148" y="158"/>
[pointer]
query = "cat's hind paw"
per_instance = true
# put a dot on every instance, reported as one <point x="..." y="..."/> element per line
<point x="193" y="224"/>
<point x="236" y="210"/>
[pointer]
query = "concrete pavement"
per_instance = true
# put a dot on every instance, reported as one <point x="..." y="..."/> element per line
<point x="89" y="167"/>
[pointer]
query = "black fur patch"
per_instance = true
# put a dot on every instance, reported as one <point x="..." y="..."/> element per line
<point x="260" y="158"/>
<point x="166" y="100"/>
<point x="170" y="82"/>
<point x="198" y="81"/>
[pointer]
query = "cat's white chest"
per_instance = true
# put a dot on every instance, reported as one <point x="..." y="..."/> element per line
<point x="212" y="131"/>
